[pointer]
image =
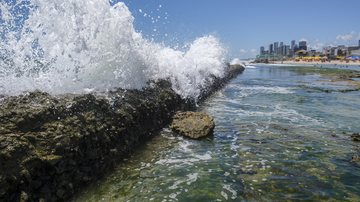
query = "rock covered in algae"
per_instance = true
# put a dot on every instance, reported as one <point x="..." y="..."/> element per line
<point x="51" y="146"/>
<point x="193" y="124"/>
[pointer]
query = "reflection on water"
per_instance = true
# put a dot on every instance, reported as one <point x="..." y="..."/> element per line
<point x="274" y="140"/>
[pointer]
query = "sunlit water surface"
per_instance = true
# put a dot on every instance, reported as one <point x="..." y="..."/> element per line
<point x="277" y="138"/>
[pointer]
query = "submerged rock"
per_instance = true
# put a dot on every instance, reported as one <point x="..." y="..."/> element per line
<point x="355" y="137"/>
<point x="355" y="158"/>
<point x="193" y="124"/>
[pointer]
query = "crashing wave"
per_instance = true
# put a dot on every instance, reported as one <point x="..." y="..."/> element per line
<point x="76" y="45"/>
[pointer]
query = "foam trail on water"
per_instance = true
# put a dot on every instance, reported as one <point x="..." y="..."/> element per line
<point x="72" y="45"/>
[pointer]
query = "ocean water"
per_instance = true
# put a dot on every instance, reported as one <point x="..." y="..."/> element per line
<point x="77" y="46"/>
<point x="277" y="138"/>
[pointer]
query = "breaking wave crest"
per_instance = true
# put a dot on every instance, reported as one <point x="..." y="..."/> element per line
<point x="76" y="45"/>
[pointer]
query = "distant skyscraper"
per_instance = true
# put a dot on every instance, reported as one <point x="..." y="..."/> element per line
<point x="271" y="48"/>
<point x="296" y="48"/>
<point x="293" y="44"/>
<point x="286" y="50"/>
<point x="262" y="50"/>
<point x="276" y="47"/>
<point x="302" y="45"/>
<point x="359" y="44"/>
<point x="281" y="48"/>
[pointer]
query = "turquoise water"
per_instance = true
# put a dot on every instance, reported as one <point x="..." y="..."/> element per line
<point x="278" y="137"/>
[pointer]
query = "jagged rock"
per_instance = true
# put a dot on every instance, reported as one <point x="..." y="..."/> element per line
<point x="193" y="124"/>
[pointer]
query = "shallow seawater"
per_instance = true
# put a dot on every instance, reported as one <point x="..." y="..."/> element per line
<point x="277" y="138"/>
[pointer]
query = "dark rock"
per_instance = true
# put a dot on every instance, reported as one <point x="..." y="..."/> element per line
<point x="60" y="193"/>
<point x="193" y="124"/>
<point x="46" y="141"/>
<point x="216" y="83"/>
<point x="278" y="127"/>
<point x="355" y="137"/>
<point x="247" y="172"/>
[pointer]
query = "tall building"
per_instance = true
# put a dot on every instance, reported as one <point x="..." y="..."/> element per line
<point x="280" y="48"/>
<point x="293" y="44"/>
<point x="276" y="47"/>
<point x="302" y="45"/>
<point x="271" y="48"/>
<point x="359" y="44"/>
<point x="262" y="50"/>
<point x="296" y="48"/>
<point x="286" y="50"/>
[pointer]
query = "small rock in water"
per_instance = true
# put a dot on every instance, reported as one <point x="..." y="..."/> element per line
<point x="193" y="124"/>
<point x="355" y="158"/>
<point x="355" y="137"/>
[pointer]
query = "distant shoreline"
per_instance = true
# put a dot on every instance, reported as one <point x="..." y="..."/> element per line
<point x="318" y="63"/>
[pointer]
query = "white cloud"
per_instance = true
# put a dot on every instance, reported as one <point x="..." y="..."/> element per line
<point x="243" y="51"/>
<point x="348" y="37"/>
<point x="253" y="51"/>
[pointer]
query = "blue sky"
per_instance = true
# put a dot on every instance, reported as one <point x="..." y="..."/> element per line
<point x="245" y="25"/>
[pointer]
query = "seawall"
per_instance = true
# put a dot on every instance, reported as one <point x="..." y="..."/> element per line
<point x="51" y="146"/>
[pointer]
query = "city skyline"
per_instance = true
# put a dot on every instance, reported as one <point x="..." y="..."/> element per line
<point x="280" y="51"/>
<point x="274" y="48"/>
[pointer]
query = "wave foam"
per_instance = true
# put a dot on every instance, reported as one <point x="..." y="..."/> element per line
<point x="72" y="45"/>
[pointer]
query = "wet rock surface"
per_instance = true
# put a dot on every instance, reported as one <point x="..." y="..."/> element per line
<point x="218" y="83"/>
<point x="194" y="125"/>
<point x="51" y="146"/>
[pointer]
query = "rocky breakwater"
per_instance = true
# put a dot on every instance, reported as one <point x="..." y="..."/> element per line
<point x="217" y="83"/>
<point x="50" y="146"/>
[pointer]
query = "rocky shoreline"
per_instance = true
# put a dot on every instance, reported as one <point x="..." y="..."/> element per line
<point x="51" y="146"/>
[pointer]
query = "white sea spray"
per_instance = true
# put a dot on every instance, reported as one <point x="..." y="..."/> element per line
<point x="74" y="45"/>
